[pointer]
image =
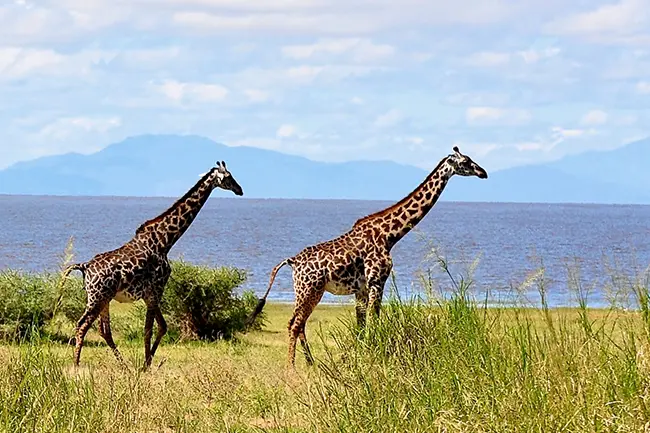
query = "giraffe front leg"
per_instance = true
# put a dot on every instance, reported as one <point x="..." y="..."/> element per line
<point x="162" y="330"/>
<point x="377" y="270"/>
<point x="107" y="335"/>
<point x="375" y="297"/>
<point x="361" y="307"/>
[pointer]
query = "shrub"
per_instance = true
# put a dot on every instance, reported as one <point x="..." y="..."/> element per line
<point x="201" y="303"/>
<point x="29" y="301"/>
<point x="22" y="309"/>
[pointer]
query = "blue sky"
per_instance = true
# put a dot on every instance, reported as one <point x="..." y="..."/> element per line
<point x="511" y="83"/>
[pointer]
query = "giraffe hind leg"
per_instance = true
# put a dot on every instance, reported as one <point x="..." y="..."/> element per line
<point x="305" y="346"/>
<point x="84" y="324"/>
<point x="305" y="303"/>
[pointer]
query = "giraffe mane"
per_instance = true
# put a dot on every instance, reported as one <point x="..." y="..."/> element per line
<point x="191" y="191"/>
<point x="402" y="201"/>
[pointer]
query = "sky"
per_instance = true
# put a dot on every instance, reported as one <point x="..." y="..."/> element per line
<point x="510" y="83"/>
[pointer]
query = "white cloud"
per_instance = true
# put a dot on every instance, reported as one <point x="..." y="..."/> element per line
<point x="18" y="62"/>
<point x="478" y="99"/>
<point x="357" y="49"/>
<point x="594" y="117"/>
<point x="530" y="146"/>
<point x="305" y="72"/>
<point x="558" y="131"/>
<point x="481" y="115"/>
<point x="390" y="118"/>
<point x="308" y="74"/>
<point x="67" y="127"/>
<point x="195" y="92"/>
<point x="478" y="113"/>
<point x="358" y="59"/>
<point x="643" y="87"/>
<point x="255" y="95"/>
<point x="621" y="22"/>
<point x="477" y="149"/>
<point x="534" y="56"/>
<point x="286" y="131"/>
<point x="559" y="135"/>
<point x="551" y="139"/>
<point x="490" y="59"/>
<point x="336" y="17"/>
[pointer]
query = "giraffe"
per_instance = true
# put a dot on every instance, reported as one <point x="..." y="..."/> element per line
<point x="359" y="262"/>
<point x="140" y="268"/>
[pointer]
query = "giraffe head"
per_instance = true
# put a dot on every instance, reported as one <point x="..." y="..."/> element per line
<point x="225" y="180"/>
<point x="464" y="166"/>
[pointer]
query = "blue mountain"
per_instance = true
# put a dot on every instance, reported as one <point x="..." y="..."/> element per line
<point x="167" y="165"/>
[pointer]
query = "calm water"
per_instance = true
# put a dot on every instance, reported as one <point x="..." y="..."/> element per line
<point x="508" y="239"/>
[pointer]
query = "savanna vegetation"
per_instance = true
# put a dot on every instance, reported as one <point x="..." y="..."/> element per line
<point x="448" y="364"/>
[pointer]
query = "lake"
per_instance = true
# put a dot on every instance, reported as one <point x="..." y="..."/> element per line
<point x="510" y="241"/>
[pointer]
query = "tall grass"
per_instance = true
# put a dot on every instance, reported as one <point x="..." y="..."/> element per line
<point x="456" y="365"/>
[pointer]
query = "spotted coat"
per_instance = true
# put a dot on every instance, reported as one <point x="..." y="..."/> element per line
<point x="359" y="261"/>
<point x="140" y="268"/>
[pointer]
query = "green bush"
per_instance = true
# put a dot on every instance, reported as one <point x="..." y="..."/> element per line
<point x="201" y="304"/>
<point x="29" y="301"/>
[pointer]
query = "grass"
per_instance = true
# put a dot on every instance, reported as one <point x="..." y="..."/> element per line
<point x="445" y="366"/>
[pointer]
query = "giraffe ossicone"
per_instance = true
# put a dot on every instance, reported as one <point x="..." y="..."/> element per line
<point x="359" y="261"/>
<point x="140" y="268"/>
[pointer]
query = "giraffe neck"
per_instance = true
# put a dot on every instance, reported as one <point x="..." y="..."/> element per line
<point x="167" y="228"/>
<point x="398" y="220"/>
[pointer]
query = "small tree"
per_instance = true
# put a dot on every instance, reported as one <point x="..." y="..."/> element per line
<point x="201" y="302"/>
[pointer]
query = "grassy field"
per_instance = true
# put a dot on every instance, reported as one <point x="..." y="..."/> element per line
<point x="432" y="367"/>
<point x="451" y="366"/>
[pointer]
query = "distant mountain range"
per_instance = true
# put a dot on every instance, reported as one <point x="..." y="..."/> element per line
<point x="168" y="165"/>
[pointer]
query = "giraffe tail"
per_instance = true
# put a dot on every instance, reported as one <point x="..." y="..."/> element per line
<point x="262" y="301"/>
<point x="74" y="267"/>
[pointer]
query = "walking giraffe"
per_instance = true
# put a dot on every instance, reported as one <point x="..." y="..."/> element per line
<point x="140" y="268"/>
<point x="359" y="261"/>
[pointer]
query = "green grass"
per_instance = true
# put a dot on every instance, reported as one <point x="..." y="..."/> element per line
<point x="421" y="367"/>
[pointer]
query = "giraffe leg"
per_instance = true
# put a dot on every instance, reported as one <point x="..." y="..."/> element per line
<point x="84" y="324"/>
<point x="374" y="300"/>
<point x="377" y="270"/>
<point x="162" y="330"/>
<point x="361" y="307"/>
<point x="305" y="346"/>
<point x="302" y="311"/>
<point x="148" y="328"/>
<point x="107" y="335"/>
